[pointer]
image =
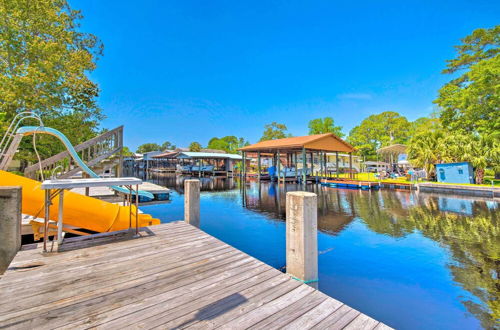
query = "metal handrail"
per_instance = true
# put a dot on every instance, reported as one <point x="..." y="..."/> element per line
<point x="17" y="121"/>
<point x="87" y="144"/>
<point x="5" y="143"/>
<point x="14" y="125"/>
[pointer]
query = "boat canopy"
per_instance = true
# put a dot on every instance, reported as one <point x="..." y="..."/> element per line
<point x="321" y="142"/>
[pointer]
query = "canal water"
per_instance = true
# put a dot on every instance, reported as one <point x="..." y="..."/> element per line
<point x="411" y="260"/>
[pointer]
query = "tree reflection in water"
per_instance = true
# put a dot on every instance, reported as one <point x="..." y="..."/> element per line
<point x="468" y="227"/>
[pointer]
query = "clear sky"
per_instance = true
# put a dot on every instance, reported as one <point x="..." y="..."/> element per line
<point x="184" y="71"/>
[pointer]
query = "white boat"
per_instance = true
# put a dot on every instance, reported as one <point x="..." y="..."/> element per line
<point x="291" y="172"/>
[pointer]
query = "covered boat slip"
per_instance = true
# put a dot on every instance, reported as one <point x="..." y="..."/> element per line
<point x="197" y="163"/>
<point x="298" y="154"/>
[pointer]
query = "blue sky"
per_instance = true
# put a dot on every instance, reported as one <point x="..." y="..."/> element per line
<point x="184" y="71"/>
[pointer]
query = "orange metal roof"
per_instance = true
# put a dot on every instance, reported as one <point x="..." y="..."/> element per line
<point x="325" y="142"/>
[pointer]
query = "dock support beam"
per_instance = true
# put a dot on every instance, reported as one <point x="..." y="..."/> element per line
<point x="304" y="165"/>
<point x="296" y="167"/>
<point x="324" y="159"/>
<point x="351" y="175"/>
<point x="301" y="236"/>
<point x="278" y="165"/>
<point x="244" y="167"/>
<point x="258" y="165"/>
<point x="321" y="173"/>
<point x="337" y="164"/>
<point x="312" y="163"/>
<point x="192" y="202"/>
<point x="10" y="224"/>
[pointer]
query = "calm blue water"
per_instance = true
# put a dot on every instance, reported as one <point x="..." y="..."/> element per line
<point x="410" y="260"/>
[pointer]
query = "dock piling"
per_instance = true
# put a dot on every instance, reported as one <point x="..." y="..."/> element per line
<point x="10" y="224"/>
<point x="301" y="237"/>
<point x="192" y="202"/>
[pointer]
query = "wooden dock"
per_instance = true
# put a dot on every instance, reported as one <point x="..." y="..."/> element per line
<point x="161" y="193"/>
<point x="172" y="276"/>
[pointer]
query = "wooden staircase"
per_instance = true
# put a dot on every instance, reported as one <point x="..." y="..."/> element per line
<point x="105" y="147"/>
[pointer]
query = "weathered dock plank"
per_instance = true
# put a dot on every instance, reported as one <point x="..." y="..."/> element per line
<point x="173" y="276"/>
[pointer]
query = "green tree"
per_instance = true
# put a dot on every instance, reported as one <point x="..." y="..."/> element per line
<point x="229" y="143"/>
<point x="324" y="125"/>
<point x="147" y="147"/>
<point x="471" y="102"/>
<point x="242" y="143"/>
<point x="436" y="146"/>
<point x="195" y="146"/>
<point x="482" y="152"/>
<point x="274" y="131"/>
<point x="378" y="131"/>
<point x="44" y="65"/>
<point x="217" y="144"/>
<point x="423" y="124"/>
<point x="425" y="149"/>
<point x="126" y="152"/>
<point x="168" y="146"/>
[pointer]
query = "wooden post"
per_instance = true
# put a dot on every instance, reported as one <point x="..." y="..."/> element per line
<point x="337" y="163"/>
<point x="192" y="202"/>
<point x="321" y="163"/>
<point x="296" y="167"/>
<point x="87" y="189"/>
<point x="312" y="163"/>
<point x="10" y="224"/>
<point x="350" y="166"/>
<point x="301" y="236"/>
<point x="304" y="164"/>
<point x="325" y="162"/>
<point x="278" y="165"/>
<point x="119" y="168"/>
<point x="258" y="165"/>
<point x="244" y="166"/>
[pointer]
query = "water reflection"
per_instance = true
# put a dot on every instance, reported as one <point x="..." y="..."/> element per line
<point x="176" y="182"/>
<point x="465" y="233"/>
<point x="468" y="228"/>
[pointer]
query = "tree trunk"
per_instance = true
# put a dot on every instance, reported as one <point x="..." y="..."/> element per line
<point x="479" y="175"/>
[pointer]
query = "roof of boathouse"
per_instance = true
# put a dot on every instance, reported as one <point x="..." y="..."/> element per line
<point x="324" y="142"/>
<point x="393" y="149"/>
<point x="178" y="151"/>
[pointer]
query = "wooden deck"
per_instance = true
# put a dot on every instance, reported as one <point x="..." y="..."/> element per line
<point x="108" y="192"/>
<point x="173" y="276"/>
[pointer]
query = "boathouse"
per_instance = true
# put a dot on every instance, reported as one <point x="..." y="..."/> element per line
<point x="395" y="155"/>
<point x="294" y="158"/>
<point x="211" y="163"/>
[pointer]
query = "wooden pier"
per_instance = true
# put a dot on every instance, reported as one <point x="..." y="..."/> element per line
<point x="161" y="193"/>
<point x="172" y="276"/>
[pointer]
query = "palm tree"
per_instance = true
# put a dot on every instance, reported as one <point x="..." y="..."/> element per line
<point x="426" y="149"/>
<point x="482" y="151"/>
